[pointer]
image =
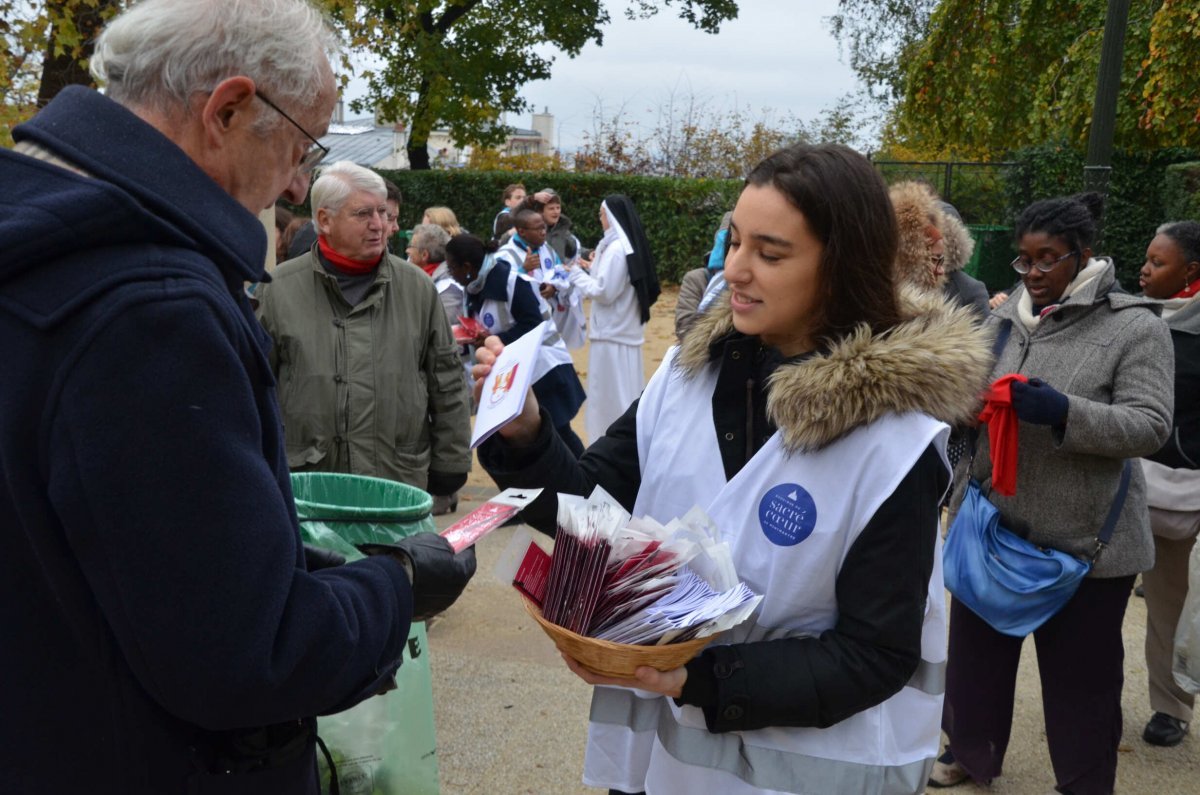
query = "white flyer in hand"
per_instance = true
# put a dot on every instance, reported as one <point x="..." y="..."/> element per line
<point x="504" y="389"/>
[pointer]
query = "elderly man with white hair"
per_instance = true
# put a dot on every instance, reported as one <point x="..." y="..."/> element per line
<point x="164" y="631"/>
<point x="371" y="383"/>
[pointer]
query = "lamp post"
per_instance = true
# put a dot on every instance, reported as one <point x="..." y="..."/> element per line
<point x="1098" y="167"/>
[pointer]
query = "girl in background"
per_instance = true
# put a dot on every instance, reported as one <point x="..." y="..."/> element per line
<point x="1171" y="275"/>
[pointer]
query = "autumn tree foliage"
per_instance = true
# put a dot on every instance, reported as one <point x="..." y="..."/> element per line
<point x="44" y="47"/>
<point x="978" y="78"/>
<point x="487" y="159"/>
<point x="461" y="64"/>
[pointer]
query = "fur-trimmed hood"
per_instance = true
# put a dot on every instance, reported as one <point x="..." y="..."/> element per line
<point x="959" y="243"/>
<point x="937" y="361"/>
<point x="916" y="210"/>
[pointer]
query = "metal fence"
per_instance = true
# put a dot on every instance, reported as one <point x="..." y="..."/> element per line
<point x="980" y="192"/>
<point x="984" y="195"/>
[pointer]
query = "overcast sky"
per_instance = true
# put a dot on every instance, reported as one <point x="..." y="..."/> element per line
<point x="777" y="55"/>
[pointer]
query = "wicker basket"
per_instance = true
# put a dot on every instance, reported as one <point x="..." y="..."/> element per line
<point x="616" y="659"/>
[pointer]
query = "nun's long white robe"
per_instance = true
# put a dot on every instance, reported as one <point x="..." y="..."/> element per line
<point x="615" y="376"/>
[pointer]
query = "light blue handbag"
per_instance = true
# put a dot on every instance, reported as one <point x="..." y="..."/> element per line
<point x="1013" y="585"/>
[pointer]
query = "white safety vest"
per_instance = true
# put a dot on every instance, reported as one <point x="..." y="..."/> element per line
<point x="566" y="308"/>
<point x="789" y="520"/>
<point x="497" y="317"/>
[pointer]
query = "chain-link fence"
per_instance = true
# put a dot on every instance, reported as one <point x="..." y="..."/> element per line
<point x="982" y="194"/>
<point x="977" y="190"/>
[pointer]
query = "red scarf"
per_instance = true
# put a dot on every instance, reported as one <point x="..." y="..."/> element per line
<point x="352" y="267"/>
<point x="1189" y="290"/>
<point x="430" y="267"/>
<point x="1002" y="433"/>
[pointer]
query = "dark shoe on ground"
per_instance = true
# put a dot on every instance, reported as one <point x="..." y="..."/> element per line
<point x="1164" y="730"/>
<point x="1139" y="591"/>
<point x="444" y="505"/>
<point x="947" y="772"/>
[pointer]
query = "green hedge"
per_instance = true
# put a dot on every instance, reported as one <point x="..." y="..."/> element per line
<point x="1181" y="192"/>
<point x="1137" y="195"/>
<point x="680" y="215"/>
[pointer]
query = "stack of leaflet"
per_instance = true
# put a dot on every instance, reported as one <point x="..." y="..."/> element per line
<point x="639" y="582"/>
<point x="691" y="609"/>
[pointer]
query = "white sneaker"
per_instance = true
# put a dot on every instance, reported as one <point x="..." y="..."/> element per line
<point x="947" y="772"/>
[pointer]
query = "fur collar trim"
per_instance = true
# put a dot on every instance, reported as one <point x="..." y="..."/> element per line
<point x="936" y="361"/>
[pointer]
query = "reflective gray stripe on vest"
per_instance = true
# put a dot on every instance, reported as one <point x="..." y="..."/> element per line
<point x="623" y="708"/>
<point x="929" y="678"/>
<point x="766" y="768"/>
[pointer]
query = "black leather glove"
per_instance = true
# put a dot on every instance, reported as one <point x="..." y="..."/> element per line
<point x="443" y="484"/>
<point x="316" y="558"/>
<point x="438" y="574"/>
<point x="1039" y="403"/>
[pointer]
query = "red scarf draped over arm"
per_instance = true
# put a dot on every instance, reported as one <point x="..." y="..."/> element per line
<point x="1002" y="433"/>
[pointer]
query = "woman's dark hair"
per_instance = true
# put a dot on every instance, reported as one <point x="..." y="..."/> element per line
<point x="1186" y="235"/>
<point x="467" y="249"/>
<point x="1072" y="218"/>
<point x="289" y="233"/>
<point x="393" y="191"/>
<point x="504" y="222"/>
<point x="283" y="217"/>
<point x="845" y="203"/>
<point x="530" y="203"/>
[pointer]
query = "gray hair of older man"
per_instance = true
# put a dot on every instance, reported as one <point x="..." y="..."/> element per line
<point x="159" y="53"/>
<point x="341" y="179"/>
<point x="431" y="239"/>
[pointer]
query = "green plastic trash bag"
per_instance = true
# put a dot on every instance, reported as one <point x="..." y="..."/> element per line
<point x="339" y="511"/>
<point x="386" y="745"/>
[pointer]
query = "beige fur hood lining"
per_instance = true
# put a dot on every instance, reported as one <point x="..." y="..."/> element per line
<point x="937" y="361"/>
<point x="917" y="206"/>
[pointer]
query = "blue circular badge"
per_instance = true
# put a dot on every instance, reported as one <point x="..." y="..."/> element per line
<point x="488" y="320"/>
<point x="787" y="514"/>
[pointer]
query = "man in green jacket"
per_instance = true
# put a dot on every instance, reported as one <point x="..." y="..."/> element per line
<point x="369" y="378"/>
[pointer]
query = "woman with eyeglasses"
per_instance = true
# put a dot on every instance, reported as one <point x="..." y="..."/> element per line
<point x="1171" y="275"/>
<point x="935" y="246"/>
<point x="1100" y="372"/>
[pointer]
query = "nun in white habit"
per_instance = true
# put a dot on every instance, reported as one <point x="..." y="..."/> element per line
<point x="622" y="284"/>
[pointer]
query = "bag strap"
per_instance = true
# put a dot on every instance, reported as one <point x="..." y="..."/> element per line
<point x="334" y="784"/>
<point x="1114" y="512"/>
<point x="1002" y="337"/>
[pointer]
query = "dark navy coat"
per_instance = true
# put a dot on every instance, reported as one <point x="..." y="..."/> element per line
<point x="155" y="610"/>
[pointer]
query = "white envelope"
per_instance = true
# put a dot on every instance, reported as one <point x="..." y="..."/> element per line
<point x="505" y="387"/>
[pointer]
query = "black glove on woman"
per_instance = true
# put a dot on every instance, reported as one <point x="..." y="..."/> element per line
<point x="1039" y="403"/>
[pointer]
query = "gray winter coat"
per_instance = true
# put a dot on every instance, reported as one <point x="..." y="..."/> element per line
<point x="1111" y="355"/>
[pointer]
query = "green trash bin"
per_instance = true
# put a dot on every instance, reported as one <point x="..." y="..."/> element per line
<point x="386" y="745"/>
<point x="991" y="262"/>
